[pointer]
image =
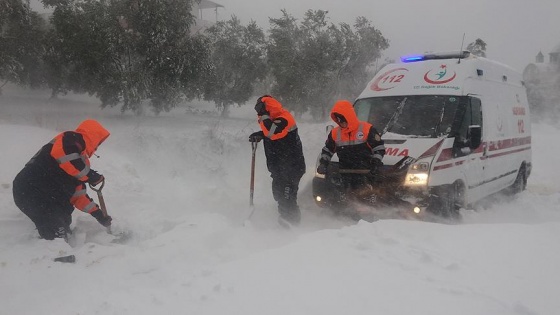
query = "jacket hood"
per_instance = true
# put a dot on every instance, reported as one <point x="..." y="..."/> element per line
<point x="273" y="106"/>
<point x="94" y="134"/>
<point x="344" y="108"/>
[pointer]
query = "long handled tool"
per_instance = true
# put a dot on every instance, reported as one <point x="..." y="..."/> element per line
<point x="101" y="201"/>
<point x="120" y="237"/>
<point x="252" y="185"/>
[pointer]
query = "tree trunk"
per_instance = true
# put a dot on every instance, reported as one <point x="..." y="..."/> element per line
<point x="225" y="110"/>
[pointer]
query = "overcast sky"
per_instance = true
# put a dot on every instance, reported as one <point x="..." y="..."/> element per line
<point x="514" y="30"/>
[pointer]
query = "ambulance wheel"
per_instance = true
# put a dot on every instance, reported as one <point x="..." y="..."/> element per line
<point x="520" y="183"/>
<point x="447" y="200"/>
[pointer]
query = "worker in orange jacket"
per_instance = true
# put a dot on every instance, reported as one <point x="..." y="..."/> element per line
<point x="284" y="155"/>
<point x="357" y="143"/>
<point x="54" y="181"/>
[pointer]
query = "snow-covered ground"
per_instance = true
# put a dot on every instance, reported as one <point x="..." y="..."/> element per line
<point x="180" y="183"/>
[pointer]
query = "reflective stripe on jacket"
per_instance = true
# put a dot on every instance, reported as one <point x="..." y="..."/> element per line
<point x="82" y="201"/>
<point x="69" y="152"/>
<point x="278" y="123"/>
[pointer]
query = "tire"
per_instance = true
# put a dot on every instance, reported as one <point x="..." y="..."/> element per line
<point x="520" y="183"/>
<point x="446" y="201"/>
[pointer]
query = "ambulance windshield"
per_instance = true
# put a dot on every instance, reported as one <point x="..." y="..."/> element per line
<point x="426" y="116"/>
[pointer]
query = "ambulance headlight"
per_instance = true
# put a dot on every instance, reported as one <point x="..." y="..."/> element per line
<point x="420" y="179"/>
<point x="417" y="175"/>
<point x="420" y="167"/>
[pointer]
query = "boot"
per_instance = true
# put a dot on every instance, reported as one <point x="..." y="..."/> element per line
<point x="62" y="232"/>
<point x="291" y="215"/>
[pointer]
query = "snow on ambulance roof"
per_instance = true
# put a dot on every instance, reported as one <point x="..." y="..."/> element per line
<point x="437" y="73"/>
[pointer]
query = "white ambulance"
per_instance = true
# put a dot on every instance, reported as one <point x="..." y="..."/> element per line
<point x="456" y="128"/>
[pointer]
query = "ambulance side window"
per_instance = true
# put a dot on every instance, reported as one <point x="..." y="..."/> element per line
<point x="476" y="110"/>
<point x="471" y="116"/>
<point x="465" y="123"/>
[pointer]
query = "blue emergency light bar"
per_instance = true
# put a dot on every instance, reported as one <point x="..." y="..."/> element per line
<point x="451" y="55"/>
<point x="412" y="58"/>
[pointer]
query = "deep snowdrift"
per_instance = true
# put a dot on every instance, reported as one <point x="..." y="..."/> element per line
<point x="180" y="183"/>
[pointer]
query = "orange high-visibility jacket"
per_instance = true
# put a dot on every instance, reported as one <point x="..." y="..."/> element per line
<point x="357" y="145"/>
<point x="61" y="168"/>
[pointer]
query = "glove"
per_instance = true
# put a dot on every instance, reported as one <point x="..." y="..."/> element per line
<point x="103" y="220"/>
<point x="376" y="168"/>
<point x="256" y="136"/>
<point x="374" y="172"/>
<point x="95" y="178"/>
<point x="322" y="169"/>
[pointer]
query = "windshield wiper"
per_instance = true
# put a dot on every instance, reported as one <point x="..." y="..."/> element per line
<point x="436" y="129"/>
<point x="395" y="116"/>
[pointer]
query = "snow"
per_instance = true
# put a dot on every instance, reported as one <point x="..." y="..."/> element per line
<point x="180" y="183"/>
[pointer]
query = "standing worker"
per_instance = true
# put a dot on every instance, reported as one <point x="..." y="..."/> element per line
<point x="357" y="144"/>
<point x="54" y="181"/>
<point x="284" y="155"/>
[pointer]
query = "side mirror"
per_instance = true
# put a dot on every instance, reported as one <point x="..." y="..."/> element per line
<point x="329" y="128"/>
<point x="475" y="136"/>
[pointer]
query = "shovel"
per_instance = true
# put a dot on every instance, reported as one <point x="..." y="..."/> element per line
<point x="101" y="201"/>
<point x="121" y="236"/>
<point x="252" y="185"/>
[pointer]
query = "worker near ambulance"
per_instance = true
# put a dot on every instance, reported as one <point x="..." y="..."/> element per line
<point x="54" y="181"/>
<point x="357" y="144"/>
<point x="284" y="155"/>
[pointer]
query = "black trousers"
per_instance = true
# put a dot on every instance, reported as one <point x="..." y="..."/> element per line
<point x="51" y="215"/>
<point x="284" y="191"/>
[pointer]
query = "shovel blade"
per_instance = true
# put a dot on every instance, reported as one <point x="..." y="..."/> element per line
<point x="247" y="221"/>
<point x="122" y="237"/>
